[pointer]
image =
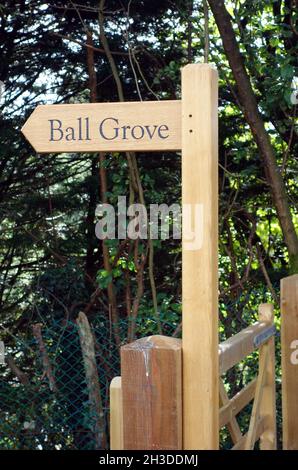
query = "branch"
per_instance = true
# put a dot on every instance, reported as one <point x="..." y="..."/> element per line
<point x="22" y="376"/>
<point x="92" y="379"/>
<point x="47" y="367"/>
<point x="84" y="44"/>
<point x="257" y="126"/>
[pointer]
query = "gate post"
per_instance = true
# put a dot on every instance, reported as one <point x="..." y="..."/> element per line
<point x="200" y="257"/>
<point x="289" y="356"/>
<point x="151" y="394"/>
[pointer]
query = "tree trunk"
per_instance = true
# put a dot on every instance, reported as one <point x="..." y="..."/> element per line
<point x="254" y="119"/>
<point x="92" y="381"/>
<point x="103" y="191"/>
<point x="47" y="366"/>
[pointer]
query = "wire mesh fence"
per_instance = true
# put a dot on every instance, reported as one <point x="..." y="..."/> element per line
<point x="46" y="393"/>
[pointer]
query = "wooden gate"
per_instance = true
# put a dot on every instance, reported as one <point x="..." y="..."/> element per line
<point x="147" y="406"/>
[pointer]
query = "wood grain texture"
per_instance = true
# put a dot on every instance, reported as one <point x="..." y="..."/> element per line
<point x="152" y="116"/>
<point x="261" y="426"/>
<point x="268" y="400"/>
<point x="152" y="394"/>
<point x="289" y="353"/>
<point x="255" y="414"/>
<point x="240" y="345"/>
<point x="237" y="403"/>
<point x="200" y="265"/>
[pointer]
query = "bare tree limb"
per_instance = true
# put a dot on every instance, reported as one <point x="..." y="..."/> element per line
<point x="47" y="366"/>
<point x="92" y="380"/>
<point x="257" y="126"/>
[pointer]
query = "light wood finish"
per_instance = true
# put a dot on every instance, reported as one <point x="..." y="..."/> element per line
<point x="268" y="400"/>
<point x="237" y="403"/>
<point x="152" y="394"/>
<point x="261" y="426"/>
<point x="116" y="415"/>
<point x="289" y="348"/>
<point x="255" y="415"/>
<point x="232" y="425"/>
<point x="236" y="348"/>
<point x="160" y="121"/>
<point x="262" y="389"/>
<point x="200" y="265"/>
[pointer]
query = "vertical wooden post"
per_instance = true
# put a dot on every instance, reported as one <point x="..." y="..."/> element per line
<point x="116" y="415"/>
<point x="151" y="391"/>
<point x="200" y="261"/>
<point x="289" y="354"/>
<point x="92" y="380"/>
<point x="268" y="401"/>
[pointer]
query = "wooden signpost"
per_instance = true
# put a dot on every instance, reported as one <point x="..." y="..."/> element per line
<point x="94" y="127"/>
<point x="189" y="125"/>
<point x="200" y="266"/>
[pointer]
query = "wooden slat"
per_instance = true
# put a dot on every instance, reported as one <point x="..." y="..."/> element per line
<point x="268" y="401"/>
<point x="152" y="394"/>
<point x="232" y="425"/>
<point x="237" y="403"/>
<point x="261" y="426"/>
<point x="200" y="260"/>
<point x="255" y="415"/>
<point x="116" y="415"/>
<point x="289" y="353"/>
<point x="236" y="348"/>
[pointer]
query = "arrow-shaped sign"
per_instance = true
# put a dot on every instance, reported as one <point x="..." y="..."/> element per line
<point x="147" y="126"/>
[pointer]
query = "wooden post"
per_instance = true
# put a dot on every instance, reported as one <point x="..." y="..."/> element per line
<point x="268" y="400"/>
<point x="151" y="391"/>
<point x="116" y="415"/>
<point x="200" y="261"/>
<point x="92" y="380"/>
<point x="289" y="354"/>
